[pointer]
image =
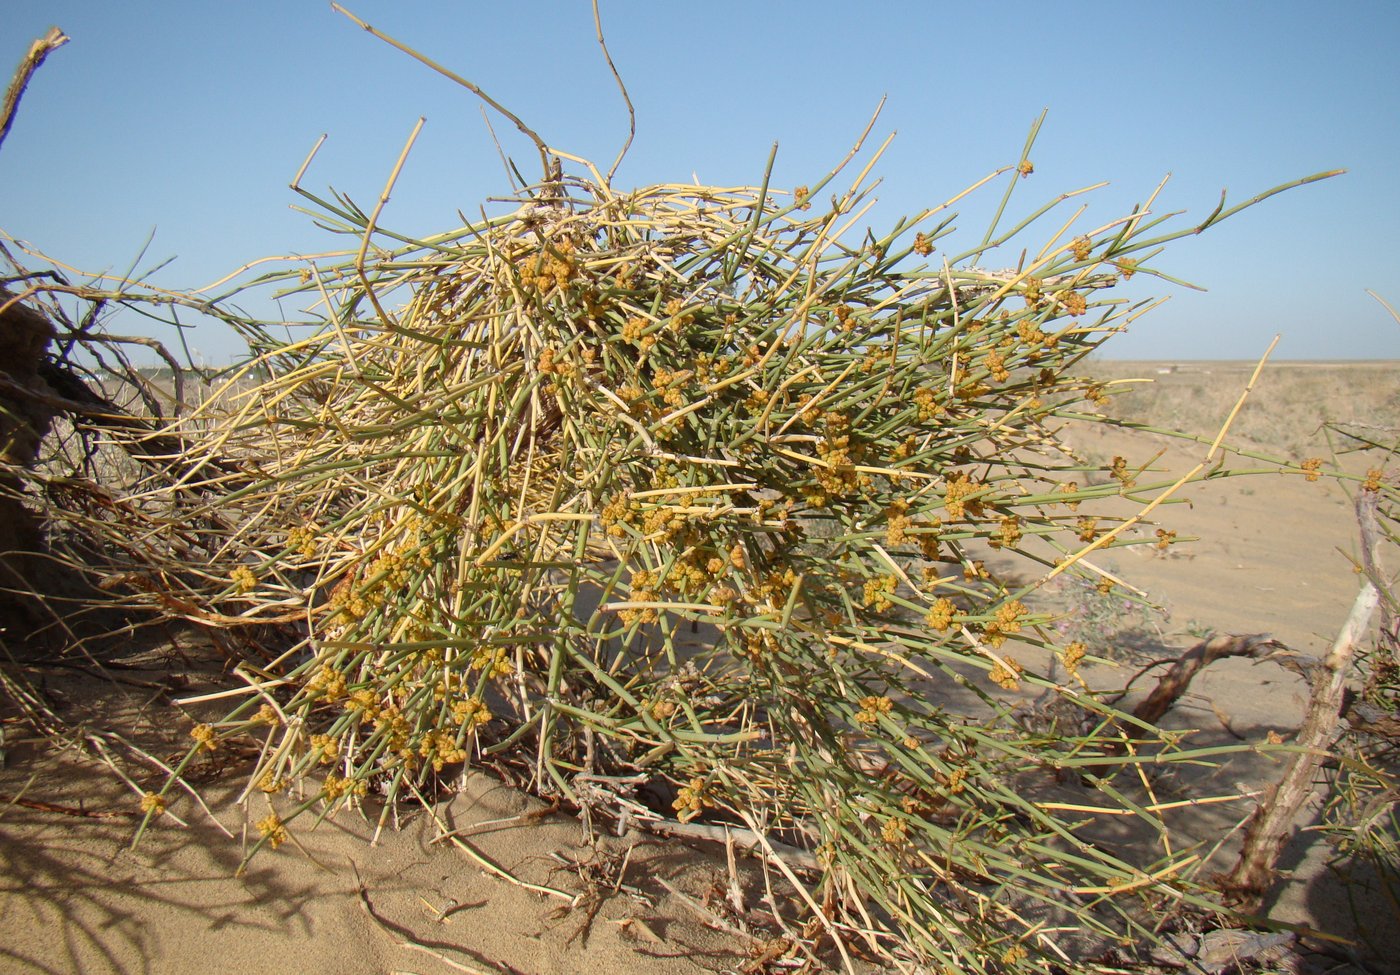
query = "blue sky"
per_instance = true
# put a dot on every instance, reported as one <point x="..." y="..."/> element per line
<point x="190" y="118"/>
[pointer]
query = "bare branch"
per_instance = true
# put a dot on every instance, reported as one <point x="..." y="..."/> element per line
<point x="631" y="112"/>
<point x="1272" y="822"/>
<point x="38" y="51"/>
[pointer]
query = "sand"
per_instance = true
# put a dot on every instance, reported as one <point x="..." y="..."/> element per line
<point x="1272" y="557"/>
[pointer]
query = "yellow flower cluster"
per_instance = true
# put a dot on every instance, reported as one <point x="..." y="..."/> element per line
<point x="708" y="368"/>
<point x="1118" y="470"/>
<point x="940" y="615"/>
<point x="391" y="571"/>
<point x="895" y="832"/>
<point x="837" y="478"/>
<point x="1032" y="294"/>
<point x="897" y="523"/>
<point x="903" y="451"/>
<point x="644" y="590"/>
<point x="738" y="558"/>
<point x="328" y="683"/>
<point x="679" y="318"/>
<point x="775" y="588"/>
<point x="1014" y="954"/>
<point x="243" y="580"/>
<point x="1080" y="248"/>
<point x="878" y="591"/>
<point x="302" y="541"/>
<point x="723" y="595"/>
<point x="1006" y="674"/>
<point x="272" y="828"/>
<point x="347" y="604"/>
<point x="672" y="384"/>
<point x="691" y="799"/>
<point x="205" y="739"/>
<point x="617" y="513"/>
<point x="871" y="708"/>
<point x="872" y="360"/>
<point x="493" y="660"/>
<point x="1073" y="302"/>
<point x="471" y="712"/>
<point x="927" y="402"/>
<point x="996" y="365"/>
<point x="956" y="499"/>
<point x="1312" y="467"/>
<point x="969" y="391"/>
<point x="152" y="804"/>
<point x="634" y="331"/>
<point x="780" y="510"/>
<point x="1072" y="655"/>
<point x="395" y="569"/>
<point x="326" y="748"/>
<point x="440" y="748"/>
<point x="1034" y="336"/>
<point x="549" y="363"/>
<point x="1008" y="532"/>
<point x="928" y="539"/>
<point x="757" y="642"/>
<point x="390" y="722"/>
<point x="336" y="786"/>
<point x="1008" y="620"/>
<point x="554" y="266"/>
<point x="757" y="400"/>
<point x="363" y="701"/>
<point x="663" y="524"/>
<point x="922" y="245"/>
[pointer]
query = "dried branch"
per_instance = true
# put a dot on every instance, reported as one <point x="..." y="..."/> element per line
<point x="38" y="51"/>
<point x="1272" y="822"/>
<point x="1175" y="681"/>
<point x="746" y="839"/>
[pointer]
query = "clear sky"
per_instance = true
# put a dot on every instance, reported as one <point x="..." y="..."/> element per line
<point x="188" y="118"/>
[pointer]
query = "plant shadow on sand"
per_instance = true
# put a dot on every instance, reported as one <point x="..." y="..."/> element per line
<point x="76" y="896"/>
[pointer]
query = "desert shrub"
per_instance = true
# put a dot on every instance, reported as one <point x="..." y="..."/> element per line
<point x="588" y="428"/>
<point x="1109" y="621"/>
<point x="695" y="483"/>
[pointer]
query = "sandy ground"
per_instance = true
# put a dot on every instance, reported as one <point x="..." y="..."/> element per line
<point x="1272" y="557"/>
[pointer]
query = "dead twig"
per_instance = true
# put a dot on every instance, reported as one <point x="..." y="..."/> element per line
<point x="706" y="916"/>
<point x="38" y="51"/>
<point x="481" y="860"/>
<point x="53" y="807"/>
<point x="1272" y="822"/>
<point x="1174" y="683"/>
<point x="746" y="839"/>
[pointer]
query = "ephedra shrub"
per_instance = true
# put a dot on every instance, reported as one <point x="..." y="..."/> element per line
<point x="692" y="483"/>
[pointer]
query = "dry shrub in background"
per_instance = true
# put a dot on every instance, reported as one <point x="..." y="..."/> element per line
<point x="686" y="490"/>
